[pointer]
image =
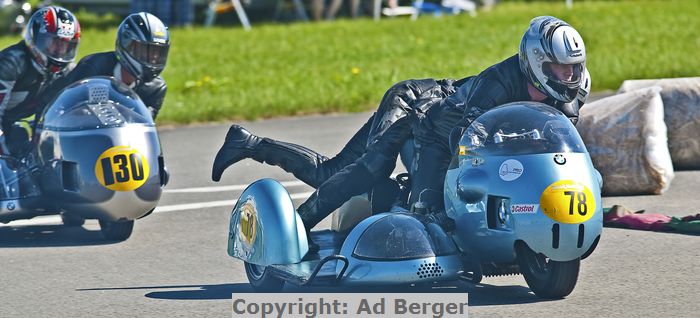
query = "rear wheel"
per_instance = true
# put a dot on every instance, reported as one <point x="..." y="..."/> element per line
<point x="547" y="278"/>
<point x="116" y="231"/>
<point x="261" y="280"/>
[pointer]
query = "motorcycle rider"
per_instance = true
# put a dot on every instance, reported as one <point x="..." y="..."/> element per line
<point x="549" y="68"/>
<point x="139" y="57"/>
<point x="27" y="68"/>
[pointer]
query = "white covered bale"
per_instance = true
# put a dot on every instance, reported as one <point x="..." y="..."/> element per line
<point x="681" y="97"/>
<point x="626" y="137"/>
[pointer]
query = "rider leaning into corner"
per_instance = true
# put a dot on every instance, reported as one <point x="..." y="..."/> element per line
<point x="27" y="68"/>
<point x="549" y="68"/>
<point x="140" y="53"/>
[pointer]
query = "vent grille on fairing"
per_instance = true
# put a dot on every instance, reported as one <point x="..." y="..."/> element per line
<point x="426" y="270"/>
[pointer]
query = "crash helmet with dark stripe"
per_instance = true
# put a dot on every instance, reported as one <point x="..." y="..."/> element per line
<point x="549" y="46"/>
<point x="142" y="45"/>
<point x="52" y="36"/>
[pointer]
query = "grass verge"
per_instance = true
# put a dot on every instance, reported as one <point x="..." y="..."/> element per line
<point x="277" y="70"/>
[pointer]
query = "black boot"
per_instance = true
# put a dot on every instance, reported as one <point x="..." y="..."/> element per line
<point x="313" y="247"/>
<point x="307" y="165"/>
<point x="309" y="215"/>
<point x="239" y="144"/>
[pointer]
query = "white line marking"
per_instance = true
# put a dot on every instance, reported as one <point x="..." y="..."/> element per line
<point x="237" y="187"/>
<point x="56" y="219"/>
<point x="213" y="204"/>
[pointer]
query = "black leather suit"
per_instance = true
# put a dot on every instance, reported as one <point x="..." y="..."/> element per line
<point x="497" y="85"/>
<point x="20" y="85"/>
<point x="370" y="155"/>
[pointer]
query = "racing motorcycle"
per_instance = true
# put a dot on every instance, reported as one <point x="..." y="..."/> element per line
<point x="94" y="154"/>
<point x="521" y="197"/>
<point x="14" y="15"/>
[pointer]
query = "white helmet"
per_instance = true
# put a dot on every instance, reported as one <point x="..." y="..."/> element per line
<point x="550" y="42"/>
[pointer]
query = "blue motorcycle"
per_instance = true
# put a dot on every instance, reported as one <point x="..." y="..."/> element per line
<point x="521" y="196"/>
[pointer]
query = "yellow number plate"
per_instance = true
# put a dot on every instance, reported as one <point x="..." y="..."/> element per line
<point x="566" y="201"/>
<point x="121" y="168"/>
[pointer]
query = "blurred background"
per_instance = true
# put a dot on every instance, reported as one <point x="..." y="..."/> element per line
<point x="248" y="59"/>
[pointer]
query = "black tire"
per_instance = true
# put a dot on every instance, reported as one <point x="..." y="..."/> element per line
<point x="116" y="231"/>
<point x="261" y="280"/>
<point x="71" y="220"/>
<point x="547" y="278"/>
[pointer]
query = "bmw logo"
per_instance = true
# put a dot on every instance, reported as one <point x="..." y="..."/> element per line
<point x="11" y="206"/>
<point x="559" y="159"/>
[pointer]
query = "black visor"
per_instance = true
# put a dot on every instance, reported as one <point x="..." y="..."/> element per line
<point x="149" y="53"/>
<point x="567" y="74"/>
<point x="57" y="48"/>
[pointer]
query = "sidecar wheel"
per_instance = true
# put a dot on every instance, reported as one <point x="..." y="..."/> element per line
<point x="70" y="220"/>
<point x="547" y="278"/>
<point x="116" y="231"/>
<point x="261" y="280"/>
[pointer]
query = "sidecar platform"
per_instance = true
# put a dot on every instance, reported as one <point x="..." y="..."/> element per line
<point x="319" y="268"/>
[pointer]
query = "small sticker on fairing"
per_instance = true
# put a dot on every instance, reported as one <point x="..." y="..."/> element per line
<point x="510" y="170"/>
<point x="462" y="150"/>
<point x="559" y="159"/>
<point x="524" y="208"/>
<point x="121" y="168"/>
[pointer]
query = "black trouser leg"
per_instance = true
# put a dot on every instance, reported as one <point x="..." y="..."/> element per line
<point x="307" y="165"/>
<point x="359" y="177"/>
<point x="428" y="173"/>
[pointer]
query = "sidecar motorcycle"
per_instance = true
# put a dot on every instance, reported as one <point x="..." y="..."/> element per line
<point x="521" y="192"/>
<point x="94" y="154"/>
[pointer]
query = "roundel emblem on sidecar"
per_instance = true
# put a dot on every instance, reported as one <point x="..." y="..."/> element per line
<point x="121" y="168"/>
<point x="559" y="159"/>
<point x="510" y="170"/>
<point x="567" y="201"/>
<point x="248" y="223"/>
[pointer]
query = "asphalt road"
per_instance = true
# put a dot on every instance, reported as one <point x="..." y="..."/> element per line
<point x="175" y="263"/>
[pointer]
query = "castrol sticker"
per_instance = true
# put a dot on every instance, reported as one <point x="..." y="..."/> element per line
<point x="121" y="168"/>
<point x="510" y="170"/>
<point x="524" y="208"/>
<point x="567" y="201"/>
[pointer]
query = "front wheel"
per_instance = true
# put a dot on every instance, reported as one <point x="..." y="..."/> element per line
<point x="547" y="278"/>
<point x="116" y="231"/>
<point x="261" y="280"/>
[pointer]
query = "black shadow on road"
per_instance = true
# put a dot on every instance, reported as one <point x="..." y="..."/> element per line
<point x="479" y="295"/>
<point x="49" y="236"/>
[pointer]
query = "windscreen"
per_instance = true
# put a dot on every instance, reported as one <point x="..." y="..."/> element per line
<point x="521" y="128"/>
<point x="400" y="237"/>
<point x="98" y="102"/>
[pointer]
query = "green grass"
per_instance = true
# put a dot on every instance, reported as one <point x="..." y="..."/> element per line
<point x="274" y="70"/>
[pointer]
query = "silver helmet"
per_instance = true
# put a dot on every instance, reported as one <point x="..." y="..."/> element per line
<point x="553" y="58"/>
